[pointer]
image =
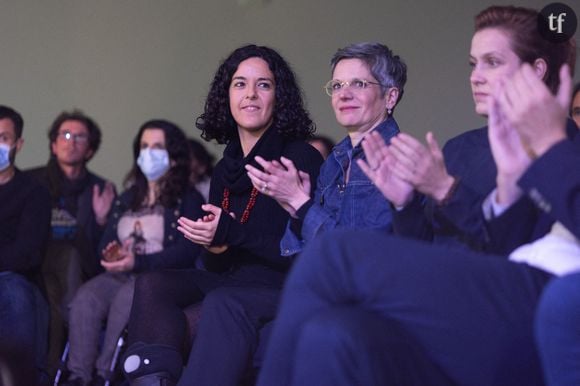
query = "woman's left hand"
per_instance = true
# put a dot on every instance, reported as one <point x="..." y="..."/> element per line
<point x="378" y="167"/>
<point x="281" y="181"/>
<point x="509" y="154"/>
<point x="126" y="263"/>
<point x="422" y="166"/>
<point x="201" y="231"/>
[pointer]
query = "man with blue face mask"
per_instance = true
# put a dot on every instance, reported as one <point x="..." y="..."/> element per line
<point x="24" y="228"/>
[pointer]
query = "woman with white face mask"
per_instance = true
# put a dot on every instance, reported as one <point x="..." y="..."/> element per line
<point x="141" y="235"/>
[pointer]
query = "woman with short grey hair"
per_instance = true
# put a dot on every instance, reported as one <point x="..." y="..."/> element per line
<point x="367" y="83"/>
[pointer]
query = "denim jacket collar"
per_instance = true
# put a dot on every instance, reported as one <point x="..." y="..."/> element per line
<point x="388" y="129"/>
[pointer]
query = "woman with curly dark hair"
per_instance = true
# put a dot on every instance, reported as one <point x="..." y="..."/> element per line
<point x="255" y="107"/>
<point x="141" y="235"/>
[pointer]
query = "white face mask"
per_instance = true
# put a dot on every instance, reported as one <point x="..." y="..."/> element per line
<point x="154" y="163"/>
<point x="4" y="156"/>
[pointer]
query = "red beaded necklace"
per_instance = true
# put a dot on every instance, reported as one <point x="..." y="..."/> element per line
<point x="251" y="203"/>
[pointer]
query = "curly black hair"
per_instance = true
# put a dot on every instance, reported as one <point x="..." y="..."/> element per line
<point x="175" y="182"/>
<point x="290" y="117"/>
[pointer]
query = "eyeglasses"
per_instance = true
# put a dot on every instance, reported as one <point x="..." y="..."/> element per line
<point x="76" y="138"/>
<point x="334" y="86"/>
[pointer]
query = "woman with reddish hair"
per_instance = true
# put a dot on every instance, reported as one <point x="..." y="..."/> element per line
<point x="366" y="308"/>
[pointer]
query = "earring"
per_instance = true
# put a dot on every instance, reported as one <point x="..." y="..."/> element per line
<point x="390" y="112"/>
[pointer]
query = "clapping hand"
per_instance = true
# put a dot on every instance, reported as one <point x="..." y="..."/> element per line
<point x="379" y="168"/>
<point x="289" y="186"/>
<point x="423" y="166"/>
<point x="102" y="202"/>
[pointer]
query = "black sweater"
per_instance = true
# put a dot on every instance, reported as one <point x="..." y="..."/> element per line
<point x="81" y="197"/>
<point x="256" y="242"/>
<point x="24" y="224"/>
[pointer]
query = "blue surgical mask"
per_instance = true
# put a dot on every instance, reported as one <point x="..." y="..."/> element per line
<point x="4" y="156"/>
<point x="154" y="163"/>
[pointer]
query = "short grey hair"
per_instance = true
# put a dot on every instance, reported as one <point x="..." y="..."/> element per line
<point x="387" y="68"/>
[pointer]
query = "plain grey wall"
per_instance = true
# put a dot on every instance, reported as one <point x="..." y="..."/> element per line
<point x="126" y="61"/>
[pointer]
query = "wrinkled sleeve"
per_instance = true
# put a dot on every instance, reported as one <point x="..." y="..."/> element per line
<point x="553" y="183"/>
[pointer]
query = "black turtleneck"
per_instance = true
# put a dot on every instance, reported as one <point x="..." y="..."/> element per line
<point x="256" y="242"/>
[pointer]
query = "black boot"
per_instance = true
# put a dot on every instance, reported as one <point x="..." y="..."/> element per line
<point x="152" y="362"/>
<point x="155" y="379"/>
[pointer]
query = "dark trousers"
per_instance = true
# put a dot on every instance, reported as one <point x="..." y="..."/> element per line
<point x="62" y="274"/>
<point x="464" y="318"/>
<point x="235" y="306"/>
<point x="23" y="330"/>
<point x="558" y="331"/>
<point x="227" y="334"/>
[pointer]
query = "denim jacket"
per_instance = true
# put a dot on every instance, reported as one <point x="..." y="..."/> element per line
<point x="355" y="204"/>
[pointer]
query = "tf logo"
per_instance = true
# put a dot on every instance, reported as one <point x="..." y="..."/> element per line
<point x="557" y="22"/>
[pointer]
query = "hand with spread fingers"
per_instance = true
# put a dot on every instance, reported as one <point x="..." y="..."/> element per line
<point x="281" y="180"/>
<point x="525" y="120"/>
<point x="102" y="201"/>
<point x="530" y="107"/>
<point x="378" y="167"/>
<point x="421" y="165"/>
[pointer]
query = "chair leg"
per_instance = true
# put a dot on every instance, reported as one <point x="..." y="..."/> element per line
<point x="115" y="359"/>
<point x="62" y="364"/>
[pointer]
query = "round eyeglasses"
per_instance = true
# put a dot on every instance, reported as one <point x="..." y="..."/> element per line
<point x="76" y="138"/>
<point x="333" y="86"/>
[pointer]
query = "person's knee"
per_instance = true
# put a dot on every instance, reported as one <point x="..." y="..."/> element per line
<point x="560" y="303"/>
<point x="18" y="295"/>
<point x="330" y="330"/>
<point x="222" y="295"/>
<point x="222" y="300"/>
<point x="320" y="248"/>
<point x="149" y="285"/>
<point x="18" y="316"/>
<point x="85" y="297"/>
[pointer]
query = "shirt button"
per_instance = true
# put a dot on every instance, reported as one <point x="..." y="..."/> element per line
<point x="173" y="225"/>
<point x="170" y="237"/>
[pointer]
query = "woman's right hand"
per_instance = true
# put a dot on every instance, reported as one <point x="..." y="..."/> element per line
<point x="125" y="261"/>
<point x="421" y="165"/>
<point x="201" y="231"/>
<point x="216" y="249"/>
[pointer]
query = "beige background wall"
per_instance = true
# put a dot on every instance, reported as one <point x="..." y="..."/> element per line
<point x="126" y="61"/>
